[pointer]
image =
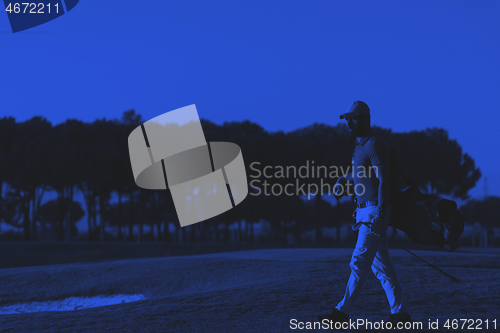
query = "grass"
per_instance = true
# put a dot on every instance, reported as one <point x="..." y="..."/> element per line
<point x="245" y="291"/>
<point x="21" y="253"/>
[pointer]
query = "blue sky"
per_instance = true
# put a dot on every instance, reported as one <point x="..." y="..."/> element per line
<point x="282" y="64"/>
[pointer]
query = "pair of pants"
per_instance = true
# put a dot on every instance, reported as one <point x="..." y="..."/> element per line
<point x="371" y="251"/>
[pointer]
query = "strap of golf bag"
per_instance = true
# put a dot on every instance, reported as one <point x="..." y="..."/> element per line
<point x="395" y="170"/>
<point x="410" y="182"/>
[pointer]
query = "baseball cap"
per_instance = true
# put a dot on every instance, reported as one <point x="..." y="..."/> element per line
<point x="355" y="109"/>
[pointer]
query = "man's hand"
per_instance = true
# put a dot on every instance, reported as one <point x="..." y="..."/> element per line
<point x="378" y="225"/>
<point x="340" y="188"/>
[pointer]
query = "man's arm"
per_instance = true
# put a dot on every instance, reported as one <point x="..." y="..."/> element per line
<point x="384" y="187"/>
<point x="348" y="176"/>
<point x="379" y="222"/>
<point x="381" y="161"/>
<point x="340" y="188"/>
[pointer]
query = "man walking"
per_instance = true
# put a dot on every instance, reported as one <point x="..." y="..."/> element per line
<point x="371" y="176"/>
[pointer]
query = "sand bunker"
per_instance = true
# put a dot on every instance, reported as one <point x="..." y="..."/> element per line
<point x="70" y="304"/>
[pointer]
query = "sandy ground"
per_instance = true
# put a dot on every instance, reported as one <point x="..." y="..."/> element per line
<point x="247" y="291"/>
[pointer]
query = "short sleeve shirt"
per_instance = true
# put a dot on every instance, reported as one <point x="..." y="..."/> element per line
<point x="368" y="154"/>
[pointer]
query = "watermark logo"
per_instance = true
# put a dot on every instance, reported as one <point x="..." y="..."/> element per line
<point x="308" y="180"/>
<point x="170" y="152"/>
<point x="26" y="15"/>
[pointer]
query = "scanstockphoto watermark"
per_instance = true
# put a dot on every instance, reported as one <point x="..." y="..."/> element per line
<point x="358" y="324"/>
<point x="306" y="180"/>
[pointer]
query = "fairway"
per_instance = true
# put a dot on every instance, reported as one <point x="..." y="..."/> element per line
<point x="246" y="291"/>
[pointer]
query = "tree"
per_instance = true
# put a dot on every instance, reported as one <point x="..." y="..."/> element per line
<point x="320" y="146"/>
<point x="49" y="216"/>
<point x="486" y="212"/>
<point x="7" y="136"/>
<point x="434" y="162"/>
<point x="130" y="121"/>
<point x="29" y="169"/>
<point x="68" y="153"/>
<point x="93" y="157"/>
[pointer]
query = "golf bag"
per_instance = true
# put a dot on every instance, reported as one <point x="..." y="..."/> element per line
<point x="426" y="219"/>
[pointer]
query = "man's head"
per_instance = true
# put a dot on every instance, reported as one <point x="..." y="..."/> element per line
<point x="358" y="118"/>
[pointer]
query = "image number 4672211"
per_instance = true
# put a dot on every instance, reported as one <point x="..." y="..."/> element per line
<point x="25" y="15"/>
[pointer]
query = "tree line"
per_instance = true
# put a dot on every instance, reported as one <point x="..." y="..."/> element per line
<point x="92" y="159"/>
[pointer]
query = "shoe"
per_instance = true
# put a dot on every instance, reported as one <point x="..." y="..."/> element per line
<point x="335" y="316"/>
<point x="399" y="318"/>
